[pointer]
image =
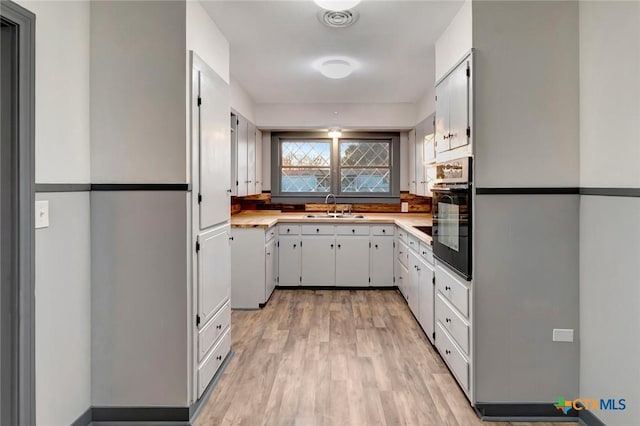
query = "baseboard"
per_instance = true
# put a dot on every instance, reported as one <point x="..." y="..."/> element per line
<point x="523" y="412"/>
<point x="587" y="418"/>
<point x="333" y="287"/>
<point x="147" y="416"/>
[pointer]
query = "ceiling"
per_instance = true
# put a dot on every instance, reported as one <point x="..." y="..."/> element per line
<point x="274" y="44"/>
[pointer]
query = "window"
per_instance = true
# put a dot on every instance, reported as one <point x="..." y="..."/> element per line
<point x="357" y="167"/>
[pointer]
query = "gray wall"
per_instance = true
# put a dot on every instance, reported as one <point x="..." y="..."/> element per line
<point x="526" y="247"/>
<point x="138" y="96"/>
<point x="63" y="317"/>
<point x="139" y="298"/>
<point x="610" y="226"/>
<point x="526" y="93"/>
<point x="526" y="284"/>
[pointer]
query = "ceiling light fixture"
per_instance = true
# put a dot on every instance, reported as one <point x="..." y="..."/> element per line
<point x="335" y="133"/>
<point x="337" y="5"/>
<point x="335" y="67"/>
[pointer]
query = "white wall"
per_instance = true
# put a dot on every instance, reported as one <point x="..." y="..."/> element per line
<point x="138" y="96"/>
<point x="241" y="101"/>
<point x="204" y="38"/>
<point x="610" y="226"/>
<point x="62" y="91"/>
<point x="609" y="93"/>
<point x="321" y="116"/>
<point x="426" y="105"/>
<point x="455" y="41"/>
<point x="62" y="264"/>
<point x="526" y="114"/>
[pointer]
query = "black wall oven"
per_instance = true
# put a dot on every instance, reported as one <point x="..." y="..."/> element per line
<point x="452" y="215"/>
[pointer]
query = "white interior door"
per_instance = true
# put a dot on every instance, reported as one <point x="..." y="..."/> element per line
<point x="459" y="106"/>
<point x="214" y="272"/>
<point x="352" y="261"/>
<point x="215" y="149"/>
<point x="318" y="261"/>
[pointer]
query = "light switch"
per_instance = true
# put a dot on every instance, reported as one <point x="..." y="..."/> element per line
<point x="563" y="334"/>
<point x="42" y="214"/>
<point x="404" y="207"/>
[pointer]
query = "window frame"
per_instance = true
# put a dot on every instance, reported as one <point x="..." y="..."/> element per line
<point x="335" y="168"/>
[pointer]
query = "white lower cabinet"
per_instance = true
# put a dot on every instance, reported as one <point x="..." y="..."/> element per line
<point x="289" y="273"/>
<point x="453" y="356"/>
<point x="252" y="266"/>
<point x="207" y="368"/>
<point x="425" y="291"/>
<point x="352" y="261"/>
<point x="413" y="294"/>
<point x="318" y="260"/>
<point x="420" y="286"/>
<point x="382" y="255"/>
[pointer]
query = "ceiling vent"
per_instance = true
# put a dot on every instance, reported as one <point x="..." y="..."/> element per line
<point x="338" y="19"/>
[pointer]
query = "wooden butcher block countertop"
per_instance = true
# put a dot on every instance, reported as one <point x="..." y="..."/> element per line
<point x="268" y="218"/>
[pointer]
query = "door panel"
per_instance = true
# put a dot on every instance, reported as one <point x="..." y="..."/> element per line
<point x="269" y="258"/>
<point x="459" y="106"/>
<point x="242" y="152"/>
<point x="352" y="261"/>
<point x="251" y="159"/>
<point x="382" y="258"/>
<point x="214" y="272"/>
<point x="442" y="116"/>
<point x="289" y="261"/>
<point x="214" y="150"/>
<point x="413" y="295"/>
<point x="318" y="261"/>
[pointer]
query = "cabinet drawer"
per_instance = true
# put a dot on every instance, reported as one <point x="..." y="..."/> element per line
<point x="426" y="252"/>
<point x="414" y="242"/>
<point x="402" y="235"/>
<point x="269" y="234"/>
<point x="403" y="253"/>
<point x="382" y="230"/>
<point x="453" y="323"/>
<point x="318" y="229"/>
<point x="454" y="290"/>
<point x="213" y="361"/>
<point x="213" y="329"/>
<point x="352" y="229"/>
<point x="288" y="229"/>
<point x="453" y="357"/>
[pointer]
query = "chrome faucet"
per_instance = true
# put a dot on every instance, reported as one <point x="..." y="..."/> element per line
<point x="335" y="203"/>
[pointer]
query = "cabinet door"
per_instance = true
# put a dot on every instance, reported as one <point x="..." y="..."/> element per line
<point x="289" y="261"/>
<point x="318" y="260"/>
<point x="214" y="272"/>
<point x="234" y="155"/>
<point x="251" y="159"/>
<point x="403" y="280"/>
<point x="258" y="162"/>
<point x="412" y="161"/>
<point x="429" y="153"/>
<point x="243" y="145"/>
<point x="459" y="106"/>
<point x="419" y="161"/>
<point x="214" y="149"/>
<point x="442" y="116"/>
<point x="426" y="291"/>
<point x="352" y="261"/>
<point x="413" y="295"/>
<point x="382" y="258"/>
<point x="269" y="260"/>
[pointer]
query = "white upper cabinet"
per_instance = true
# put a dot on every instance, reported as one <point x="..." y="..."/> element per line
<point x="423" y="155"/>
<point x="213" y="103"/>
<point x="246" y="157"/>
<point x="453" y="129"/>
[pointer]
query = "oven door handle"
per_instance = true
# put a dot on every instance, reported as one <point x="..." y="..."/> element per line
<point x="447" y="189"/>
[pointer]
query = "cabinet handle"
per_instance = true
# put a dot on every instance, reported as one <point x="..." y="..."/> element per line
<point x="295" y="245"/>
<point x="376" y="246"/>
<point x="288" y="230"/>
<point x="384" y="231"/>
<point x="339" y="246"/>
<point x="268" y="254"/>
<point x="447" y="320"/>
<point x="353" y="230"/>
<point x="447" y="351"/>
<point x="230" y="238"/>
<point x="424" y="253"/>
<point x="317" y="229"/>
<point x="247" y="181"/>
<point x="447" y="288"/>
<point x="331" y="245"/>
<point x="219" y="326"/>
<point x="229" y="191"/>
<point x="219" y="357"/>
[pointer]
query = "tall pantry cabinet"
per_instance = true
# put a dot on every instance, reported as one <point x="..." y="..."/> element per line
<point x="160" y="248"/>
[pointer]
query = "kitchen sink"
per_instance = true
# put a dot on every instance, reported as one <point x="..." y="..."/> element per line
<point x="425" y="229"/>
<point x="335" y="216"/>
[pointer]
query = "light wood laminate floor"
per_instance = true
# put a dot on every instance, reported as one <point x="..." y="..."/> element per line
<point x="335" y="357"/>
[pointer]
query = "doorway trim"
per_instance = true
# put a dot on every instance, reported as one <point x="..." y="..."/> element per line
<point x="22" y="349"/>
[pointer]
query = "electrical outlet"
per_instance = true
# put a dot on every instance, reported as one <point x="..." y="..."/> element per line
<point x="404" y="207"/>
<point x="42" y="214"/>
<point x="563" y="334"/>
